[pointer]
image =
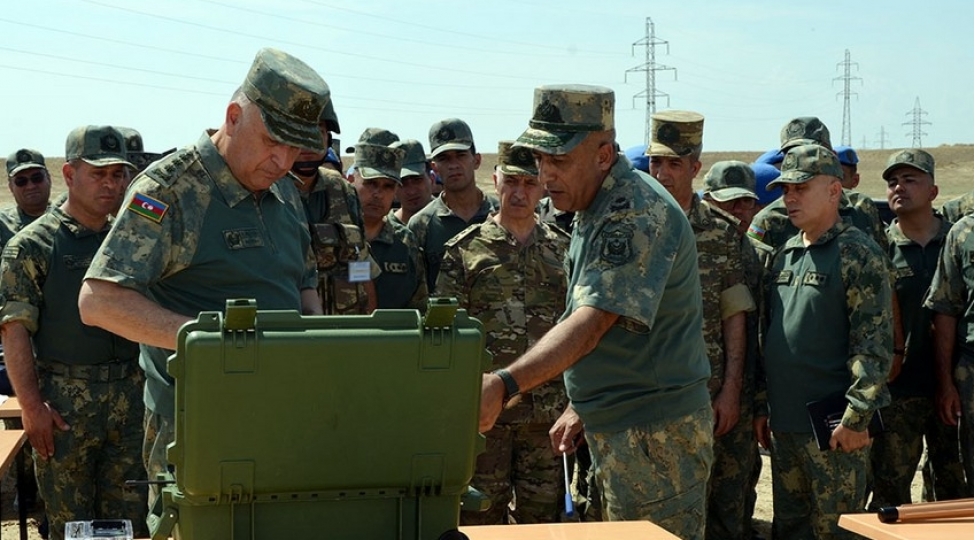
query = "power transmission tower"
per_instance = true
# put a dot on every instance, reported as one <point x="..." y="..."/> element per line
<point x="650" y="67"/>
<point x="916" y="123"/>
<point x="863" y="146"/>
<point x="883" y="138"/>
<point x="846" y="137"/>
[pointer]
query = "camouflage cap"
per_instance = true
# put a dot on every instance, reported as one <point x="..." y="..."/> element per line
<point x="99" y="146"/>
<point x="378" y="161"/>
<point x="134" y="150"/>
<point x="912" y="157"/>
<point x="676" y="134"/>
<point x="804" y="130"/>
<point x="847" y="155"/>
<point x="329" y="118"/>
<point x="516" y="160"/>
<point x="291" y="97"/>
<point x="24" y="159"/>
<point x="414" y="158"/>
<point x="450" y="134"/>
<point x="565" y="114"/>
<point x="730" y="180"/>
<point x="802" y="163"/>
<point x="378" y="136"/>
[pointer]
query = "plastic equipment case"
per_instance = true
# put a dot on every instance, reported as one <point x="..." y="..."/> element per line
<point x="337" y="427"/>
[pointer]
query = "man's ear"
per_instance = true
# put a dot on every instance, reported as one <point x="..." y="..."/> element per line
<point x="477" y="161"/>
<point x="67" y="171"/>
<point x="233" y="116"/>
<point x="605" y="155"/>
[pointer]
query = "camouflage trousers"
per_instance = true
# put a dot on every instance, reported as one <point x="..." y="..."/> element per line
<point x="657" y="472"/>
<point x="965" y="382"/>
<point x="158" y="432"/>
<point x="85" y="479"/>
<point x="811" y="487"/>
<point x="735" y="453"/>
<point x="518" y="466"/>
<point x="586" y="488"/>
<point x="894" y="456"/>
<point x="942" y="467"/>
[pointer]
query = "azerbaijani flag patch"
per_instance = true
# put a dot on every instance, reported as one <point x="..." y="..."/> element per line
<point x="756" y="232"/>
<point x="148" y="207"/>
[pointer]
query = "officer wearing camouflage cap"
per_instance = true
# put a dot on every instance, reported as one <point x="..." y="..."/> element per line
<point x="829" y="333"/>
<point x="675" y="159"/>
<point x="30" y="184"/>
<point x="224" y="221"/>
<point x="416" y="186"/>
<point x="508" y="273"/>
<point x="634" y="303"/>
<point x="461" y="203"/>
<point x="62" y="369"/>
<point x="402" y="282"/>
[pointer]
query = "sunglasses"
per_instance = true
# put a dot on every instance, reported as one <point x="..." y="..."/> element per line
<point x="35" y="178"/>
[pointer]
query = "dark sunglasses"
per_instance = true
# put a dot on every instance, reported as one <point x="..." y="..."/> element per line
<point x="36" y="178"/>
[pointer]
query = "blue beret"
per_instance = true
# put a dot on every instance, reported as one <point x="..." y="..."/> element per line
<point x="765" y="173"/>
<point x="638" y="157"/>
<point x="331" y="157"/>
<point x="771" y="157"/>
<point x="847" y="155"/>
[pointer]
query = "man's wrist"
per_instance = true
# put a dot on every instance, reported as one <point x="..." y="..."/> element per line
<point x="511" y="388"/>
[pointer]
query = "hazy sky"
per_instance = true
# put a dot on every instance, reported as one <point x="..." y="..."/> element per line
<point x="167" y="68"/>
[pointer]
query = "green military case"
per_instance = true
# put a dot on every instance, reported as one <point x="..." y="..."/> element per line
<point x="338" y="427"/>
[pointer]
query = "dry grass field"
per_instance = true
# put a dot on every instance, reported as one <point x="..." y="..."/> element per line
<point x="954" y="175"/>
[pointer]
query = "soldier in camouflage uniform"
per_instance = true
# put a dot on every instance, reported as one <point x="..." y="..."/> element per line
<point x="950" y="297"/>
<point x="916" y="237"/>
<point x="954" y="209"/>
<point x="216" y="220"/>
<point x="415" y="187"/>
<point x="402" y="283"/>
<point x="730" y="186"/>
<point x="30" y="183"/>
<point x="345" y="268"/>
<point x="80" y="391"/>
<point x="630" y="341"/>
<point x="508" y="273"/>
<point x="828" y="324"/>
<point x="461" y="203"/>
<point x="675" y="159"/>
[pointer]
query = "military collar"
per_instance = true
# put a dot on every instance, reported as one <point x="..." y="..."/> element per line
<point x="796" y="241"/>
<point x="386" y="235"/>
<point x="76" y="228"/>
<point x="898" y="237"/>
<point x="493" y="231"/>
<point x="605" y="201"/>
<point x="232" y="191"/>
<point x="440" y="207"/>
<point x="699" y="214"/>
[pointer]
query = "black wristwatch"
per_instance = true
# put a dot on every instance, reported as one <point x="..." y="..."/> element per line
<point x="511" y="388"/>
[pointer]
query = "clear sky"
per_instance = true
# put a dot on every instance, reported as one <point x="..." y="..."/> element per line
<point x="167" y="68"/>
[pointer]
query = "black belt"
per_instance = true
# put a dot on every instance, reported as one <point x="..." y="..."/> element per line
<point x="111" y="371"/>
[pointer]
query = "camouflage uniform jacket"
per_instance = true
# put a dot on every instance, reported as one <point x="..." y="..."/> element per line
<point x="954" y="209"/>
<point x="42" y="271"/>
<point x="829" y="323"/>
<point x="914" y="266"/>
<point x="403" y="283"/>
<point x="191" y="236"/>
<point x="951" y="287"/>
<point x="723" y="289"/>
<point x="773" y="227"/>
<point x="435" y="224"/>
<point x="518" y="292"/>
<point x="333" y="201"/>
<point x="12" y="220"/>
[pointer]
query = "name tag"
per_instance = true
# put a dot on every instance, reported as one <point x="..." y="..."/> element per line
<point x="358" y="271"/>
<point x="784" y="277"/>
<point x="814" y="278"/>
<point x="904" y="272"/>
<point x="243" y="238"/>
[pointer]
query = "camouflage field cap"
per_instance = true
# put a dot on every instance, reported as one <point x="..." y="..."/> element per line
<point x="135" y="151"/>
<point x="847" y="155"/>
<point x="414" y="158"/>
<point x="912" y="157"/>
<point x="329" y="118"/>
<point x="676" y="134"/>
<point x="99" y="146"/>
<point x="450" y="134"/>
<point x="24" y="159"/>
<point x="378" y="136"/>
<point x="516" y="160"/>
<point x="291" y="97"/>
<point x="802" y="163"/>
<point x="565" y="114"/>
<point x="804" y="130"/>
<point x="730" y="180"/>
<point x="378" y="161"/>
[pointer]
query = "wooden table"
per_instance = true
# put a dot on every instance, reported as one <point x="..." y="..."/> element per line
<point x="930" y="529"/>
<point x="608" y="530"/>
<point x="11" y="441"/>
<point x="10" y="408"/>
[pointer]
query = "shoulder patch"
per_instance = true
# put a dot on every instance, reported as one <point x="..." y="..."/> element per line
<point x="756" y="232"/>
<point x="10" y="252"/>
<point x="148" y="207"/>
<point x="462" y="235"/>
<point x="168" y="169"/>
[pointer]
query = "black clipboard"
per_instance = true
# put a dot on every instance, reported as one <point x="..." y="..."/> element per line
<point x="825" y="415"/>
